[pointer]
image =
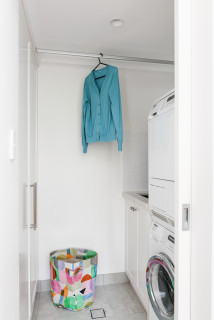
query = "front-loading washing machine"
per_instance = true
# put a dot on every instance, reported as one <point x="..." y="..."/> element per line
<point x="160" y="273"/>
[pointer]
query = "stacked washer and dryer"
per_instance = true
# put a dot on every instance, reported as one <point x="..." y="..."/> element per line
<point x="160" y="267"/>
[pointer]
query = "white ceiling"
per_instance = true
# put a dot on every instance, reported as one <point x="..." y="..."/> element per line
<point x="83" y="26"/>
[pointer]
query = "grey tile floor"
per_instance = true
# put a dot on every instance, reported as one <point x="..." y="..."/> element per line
<point x="119" y="301"/>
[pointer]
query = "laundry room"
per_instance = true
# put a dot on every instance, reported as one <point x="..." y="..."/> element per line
<point x="97" y="104"/>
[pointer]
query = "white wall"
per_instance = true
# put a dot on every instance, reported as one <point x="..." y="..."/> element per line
<point x="80" y="196"/>
<point x="140" y="88"/>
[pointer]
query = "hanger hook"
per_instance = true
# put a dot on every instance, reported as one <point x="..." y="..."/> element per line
<point x="101" y="54"/>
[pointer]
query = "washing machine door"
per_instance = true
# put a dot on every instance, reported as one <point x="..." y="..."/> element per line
<point x="160" y="285"/>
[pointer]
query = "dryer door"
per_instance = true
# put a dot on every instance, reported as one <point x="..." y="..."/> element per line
<point x="160" y="285"/>
<point x="161" y="146"/>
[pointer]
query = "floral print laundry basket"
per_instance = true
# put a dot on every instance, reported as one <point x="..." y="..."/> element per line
<point x="73" y="276"/>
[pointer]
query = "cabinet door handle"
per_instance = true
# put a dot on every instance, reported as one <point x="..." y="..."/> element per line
<point x="34" y="224"/>
<point x="133" y="209"/>
<point x="34" y="186"/>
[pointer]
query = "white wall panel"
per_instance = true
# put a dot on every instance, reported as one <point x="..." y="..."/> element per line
<point x="9" y="203"/>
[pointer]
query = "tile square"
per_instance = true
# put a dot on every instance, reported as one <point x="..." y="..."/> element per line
<point x="98" y="313"/>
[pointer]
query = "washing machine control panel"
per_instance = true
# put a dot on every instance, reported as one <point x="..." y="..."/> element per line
<point x="157" y="231"/>
<point x="168" y="239"/>
<point x="163" y="235"/>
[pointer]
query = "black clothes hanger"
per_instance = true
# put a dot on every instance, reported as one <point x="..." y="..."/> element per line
<point x="100" y="62"/>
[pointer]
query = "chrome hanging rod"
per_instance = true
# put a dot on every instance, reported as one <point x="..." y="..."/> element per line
<point x="103" y="56"/>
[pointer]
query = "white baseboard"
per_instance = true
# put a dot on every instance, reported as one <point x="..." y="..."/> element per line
<point x="102" y="280"/>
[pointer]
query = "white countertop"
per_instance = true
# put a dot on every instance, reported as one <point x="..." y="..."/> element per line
<point x="134" y="196"/>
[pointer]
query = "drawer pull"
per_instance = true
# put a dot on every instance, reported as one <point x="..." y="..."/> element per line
<point x="133" y="209"/>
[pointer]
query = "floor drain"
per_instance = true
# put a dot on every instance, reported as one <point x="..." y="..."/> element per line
<point x="98" y="313"/>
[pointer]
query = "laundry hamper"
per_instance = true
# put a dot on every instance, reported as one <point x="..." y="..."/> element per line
<point x="73" y="277"/>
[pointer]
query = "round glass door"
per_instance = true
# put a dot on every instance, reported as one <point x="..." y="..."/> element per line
<point x="160" y="285"/>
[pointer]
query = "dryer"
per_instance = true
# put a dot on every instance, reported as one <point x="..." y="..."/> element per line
<point x="160" y="273"/>
<point x="161" y="150"/>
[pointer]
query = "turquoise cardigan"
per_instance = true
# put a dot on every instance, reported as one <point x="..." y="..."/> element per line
<point x="101" y="111"/>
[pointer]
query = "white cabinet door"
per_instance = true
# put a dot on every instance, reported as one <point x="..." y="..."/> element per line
<point x="27" y="153"/>
<point x="138" y="225"/>
<point x="144" y="225"/>
<point x="32" y="151"/>
<point x="131" y="212"/>
<point x="23" y="167"/>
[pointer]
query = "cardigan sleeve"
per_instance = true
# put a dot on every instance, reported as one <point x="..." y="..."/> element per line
<point x="114" y="93"/>
<point x="84" y="107"/>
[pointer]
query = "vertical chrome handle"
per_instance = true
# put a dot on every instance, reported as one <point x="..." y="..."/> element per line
<point x="186" y="217"/>
<point x="34" y="224"/>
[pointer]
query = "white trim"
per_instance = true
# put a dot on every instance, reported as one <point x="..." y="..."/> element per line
<point x="26" y="16"/>
<point x="183" y="84"/>
<point x="212" y="277"/>
<point x="202" y="160"/>
<point x="34" y="299"/>
<point x="28" y="180"/>
<point x="101" y="280"/>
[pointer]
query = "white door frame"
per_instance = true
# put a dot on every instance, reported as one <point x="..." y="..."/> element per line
<point x="183" y="85"/>
<point x="194" y="283"/>
<point x="202" y="159"/>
